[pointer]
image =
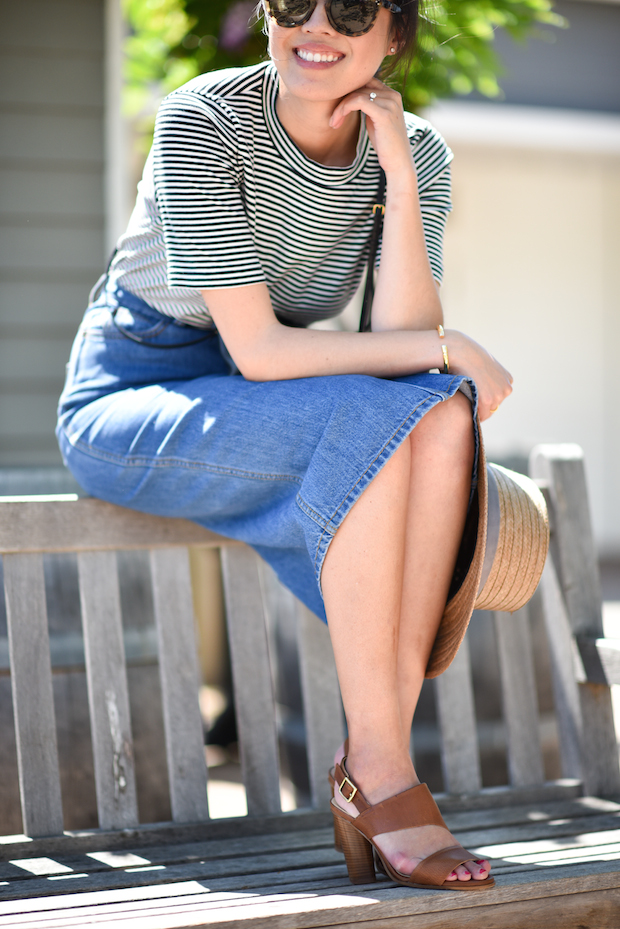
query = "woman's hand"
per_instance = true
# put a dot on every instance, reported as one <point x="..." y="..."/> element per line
<point x="493" y="381"/>
<point x="406" y="296"/>
<point x="385" y="122"/>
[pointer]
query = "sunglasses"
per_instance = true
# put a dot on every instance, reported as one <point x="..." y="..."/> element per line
<point x="348" y="17"/>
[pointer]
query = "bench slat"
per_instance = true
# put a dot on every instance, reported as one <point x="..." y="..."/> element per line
<point x="88" y="524"/>
<point x="108" y="697"/>
<point x="33" y="698"/>
<point x="562" y="658"/>
<point x="322" y="703"/>
<point x="253" y="686"/>
<point x="562" y="467"/>
<point x="514" y="645"/>
<point x="178" y="666"/>
<point x="457" y="720"/>
<point x="601" y="659"/>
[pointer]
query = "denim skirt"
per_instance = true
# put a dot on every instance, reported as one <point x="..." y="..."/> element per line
<point x="154" y="416"/>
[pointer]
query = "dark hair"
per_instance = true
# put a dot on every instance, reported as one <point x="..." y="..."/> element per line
<point x="406" y="23"/>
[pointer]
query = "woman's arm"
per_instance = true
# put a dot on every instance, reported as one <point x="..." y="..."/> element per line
<point x="406" y="308"/>
<point x="265" y="350"/>
<point x="406" y="295"/>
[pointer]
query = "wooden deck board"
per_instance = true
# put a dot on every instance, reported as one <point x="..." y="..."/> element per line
<point x="572" y="825"/>
<point x="296" y="879"/>
<point x="525" y="823"/>
<point x="250" y="828"/>
<point x="487" y="803"/>
<point x="556" y="891"/>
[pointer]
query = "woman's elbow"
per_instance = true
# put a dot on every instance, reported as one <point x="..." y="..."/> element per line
<point x="259" y="360"/>
<point x="255" y="367"/>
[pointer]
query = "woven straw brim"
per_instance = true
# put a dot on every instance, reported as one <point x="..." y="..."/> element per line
<point x="522" y="544"/>
<point x="459" y="608"/>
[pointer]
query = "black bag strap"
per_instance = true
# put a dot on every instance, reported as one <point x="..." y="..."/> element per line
<point x="369" y="288"/>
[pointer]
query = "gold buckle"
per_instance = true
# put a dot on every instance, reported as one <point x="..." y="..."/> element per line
<point x="378" y="206"/>
<point x="352" y="785"/>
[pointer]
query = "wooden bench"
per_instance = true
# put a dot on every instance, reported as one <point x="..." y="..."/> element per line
<point x="555" y="845"/>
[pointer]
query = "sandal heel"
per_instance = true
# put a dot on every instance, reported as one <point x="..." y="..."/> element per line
<point x="337" y="835"/>
<point x="357" y="853"/>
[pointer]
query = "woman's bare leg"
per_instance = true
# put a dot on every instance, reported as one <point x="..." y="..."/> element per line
<point x="385" y="582"/>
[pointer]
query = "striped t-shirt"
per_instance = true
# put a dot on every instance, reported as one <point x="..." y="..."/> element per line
<point x="227" y="199"/>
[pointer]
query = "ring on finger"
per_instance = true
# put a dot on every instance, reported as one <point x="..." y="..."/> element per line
<point x="373" y="96"/>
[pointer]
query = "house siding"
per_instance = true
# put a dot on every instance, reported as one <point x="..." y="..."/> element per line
<point x="51" y="207"/>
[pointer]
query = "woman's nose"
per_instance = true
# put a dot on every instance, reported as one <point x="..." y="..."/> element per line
<point x="318" y="22"/>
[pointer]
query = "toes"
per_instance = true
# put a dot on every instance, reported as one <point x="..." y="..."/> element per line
<point x="479" y="870"/>
<point x="463" y="873"/>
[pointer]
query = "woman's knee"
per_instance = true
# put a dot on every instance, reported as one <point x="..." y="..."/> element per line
<point x="449" y="426"/>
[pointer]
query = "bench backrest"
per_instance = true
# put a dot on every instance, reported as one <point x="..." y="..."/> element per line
<point x="583" y="664"/>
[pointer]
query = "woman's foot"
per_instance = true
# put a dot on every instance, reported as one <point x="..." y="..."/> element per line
<point x="406" y="848"/>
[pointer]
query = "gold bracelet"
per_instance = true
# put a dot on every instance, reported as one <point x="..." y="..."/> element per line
<point x="444" y="350"/>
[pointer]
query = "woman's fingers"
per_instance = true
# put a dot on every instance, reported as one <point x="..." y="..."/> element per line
<point x="385" y="122"/>
<point x="383" y="98"/>
<point x="493" y="393"/>
<point x="493" y="380"/>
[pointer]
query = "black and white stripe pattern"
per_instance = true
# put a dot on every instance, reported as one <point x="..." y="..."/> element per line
<point x="227" y="199"/>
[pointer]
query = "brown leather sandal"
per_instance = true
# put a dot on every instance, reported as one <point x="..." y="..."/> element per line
<point x="411" y="808"/>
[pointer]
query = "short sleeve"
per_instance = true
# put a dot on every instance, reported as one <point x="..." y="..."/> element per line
<point x="199" y="193"/>
<point x="432" y="159"/>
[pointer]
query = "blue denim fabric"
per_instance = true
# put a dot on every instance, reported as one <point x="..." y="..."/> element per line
<point x="177" y="432"/>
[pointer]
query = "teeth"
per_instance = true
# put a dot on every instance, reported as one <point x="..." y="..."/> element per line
<point x="315" y="56"/>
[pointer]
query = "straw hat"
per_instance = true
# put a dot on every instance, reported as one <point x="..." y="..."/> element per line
<point x="501" y="558"/>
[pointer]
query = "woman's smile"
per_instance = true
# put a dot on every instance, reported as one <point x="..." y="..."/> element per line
<point x="315" y="46"/>
<point x="313" y="55"/>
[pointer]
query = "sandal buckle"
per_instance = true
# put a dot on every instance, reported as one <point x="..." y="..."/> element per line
<point x="351" y="785"/>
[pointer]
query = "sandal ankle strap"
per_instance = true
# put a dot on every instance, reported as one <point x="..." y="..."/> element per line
<point x="411" y="808"/>
<point x="348" y="789"/>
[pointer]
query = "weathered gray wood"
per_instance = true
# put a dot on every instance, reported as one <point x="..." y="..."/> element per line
<point x="108" y="698"/>
<point x="92" y="525"/>
<point x="536" y="821"/>
<point x="562" y="467"/>
<point x="149" y="743"/>
<point x="533" y="822"/>
<point x="178" y="663"/>
<point x="563" y="894"/>
<point x="252" y="682"/>
<point x="33" y="701"/>
<point x="602" y="777"/>
<point x="467" y="811"/>
<point x="75" y="752"/>
<point x="322" y="703"/>
<point x="457" y="720"/>
<point x="562" y="657"/>
<point x="519" y="701"/>
<point x="601" y="659"/>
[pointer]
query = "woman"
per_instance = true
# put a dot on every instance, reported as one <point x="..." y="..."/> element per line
<point x="195" y="388"/>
